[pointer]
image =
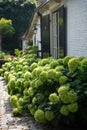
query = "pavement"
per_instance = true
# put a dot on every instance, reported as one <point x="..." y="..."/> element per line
<point x="10" y="122"/>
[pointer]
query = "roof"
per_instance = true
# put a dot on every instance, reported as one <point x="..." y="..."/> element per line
<point x="35" y="15"/>
<point x="41" y="8"/>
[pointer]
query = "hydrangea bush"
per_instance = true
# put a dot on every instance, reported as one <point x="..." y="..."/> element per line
<point x="51" y="90"/>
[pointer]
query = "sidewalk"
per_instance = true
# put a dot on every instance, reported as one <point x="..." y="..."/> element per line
<point x="7" y="120"/>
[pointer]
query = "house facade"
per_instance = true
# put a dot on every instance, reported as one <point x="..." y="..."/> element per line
<point x="61" y="28"/>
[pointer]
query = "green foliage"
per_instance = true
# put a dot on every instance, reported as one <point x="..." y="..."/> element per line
<point x="50" y="92"/>
<point x="20" y="12"/>
<point x="2" y="55"/>
<point x="33" y="110"/>
<point x="6" y="27"/>
<point x="17" y="52"/>
<point x="33" y="1"/>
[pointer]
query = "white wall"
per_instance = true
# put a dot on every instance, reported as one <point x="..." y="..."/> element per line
<point x="24" y="44"/>
<point x="76" y="27"/>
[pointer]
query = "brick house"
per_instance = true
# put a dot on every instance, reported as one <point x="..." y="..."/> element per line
<point x="61" y="28"/>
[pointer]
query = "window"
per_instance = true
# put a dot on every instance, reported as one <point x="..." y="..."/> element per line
<point x="59" y="33"/>
<point x="45" y="35"/>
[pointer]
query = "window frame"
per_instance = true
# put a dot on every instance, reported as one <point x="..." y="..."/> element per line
<point x="56" y="49"/>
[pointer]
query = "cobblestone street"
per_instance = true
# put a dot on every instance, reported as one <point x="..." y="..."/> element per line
<point x="7" y="120"/>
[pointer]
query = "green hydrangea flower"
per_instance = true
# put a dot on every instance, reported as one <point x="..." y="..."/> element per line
<point x="11" y="76"/>
<point x="38" y="71"/>
<point x="34" y="100"/>
<point x="17" y="111"/>
<point x="26" y="84"/>
<point x="6" y="73"/>
<point x="39" y="116"/>
<point x="64" y="111"/>
<point x="81" y="58"/>
<point x="54" y="98"/>
<point x="25" y="68"/>
<point x="13" y="100"/>
<point x="30" y="106"/>
<point x="57" y="76"/>
<point x="38" y="83"/>
<point x="46" y="67"/>
<point x="64" y="97"/>
<point x="73" y="107"/>
<point x="32" y="83"/>
<point x="43" y="62"/>
<point x="12" y="83"/>
<point x="34" y="73"/>
<point x="63" y="93"/>
<point x="27" y="75"/>
<point x="33" y="66"/>
<point x="84" y="64"/>
<point x="72" y="95"/>
<point x="60" y="61"/>
<point x="54" y="63"/>
<point x="30" y="91"/>
<point x="33" y="110"/>
<point x="1" y="71"/>
<point x="63" y="80"/>
<point x="18" y="83"/>
<point x="19" y="67"/>
<point x="49" y="115"/>
<point x="63" y="89"/>
<point x="73" y="64"/>
<point x="66" y="59"/>
<point x="20" y="102"/>
<point x="43" y="76"/>
<point x="59" y="68"/>
<point x="51" y="74"/>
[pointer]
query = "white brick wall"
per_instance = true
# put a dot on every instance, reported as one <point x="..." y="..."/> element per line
<point x="76" y="27"/>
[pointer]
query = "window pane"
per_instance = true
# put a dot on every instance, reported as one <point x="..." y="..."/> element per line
<point x="61" y="32"/>
<point x="45" y="34"/>
<point x="59" y="42"/>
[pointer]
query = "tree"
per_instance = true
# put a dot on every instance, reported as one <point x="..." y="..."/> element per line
<point x="20" y="12"/>
<point x="6" y="29"/>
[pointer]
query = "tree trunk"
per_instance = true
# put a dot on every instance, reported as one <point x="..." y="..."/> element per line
<point x="0" y="42"/>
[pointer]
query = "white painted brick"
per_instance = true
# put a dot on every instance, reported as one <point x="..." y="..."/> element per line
<point x="76" y="27"/>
